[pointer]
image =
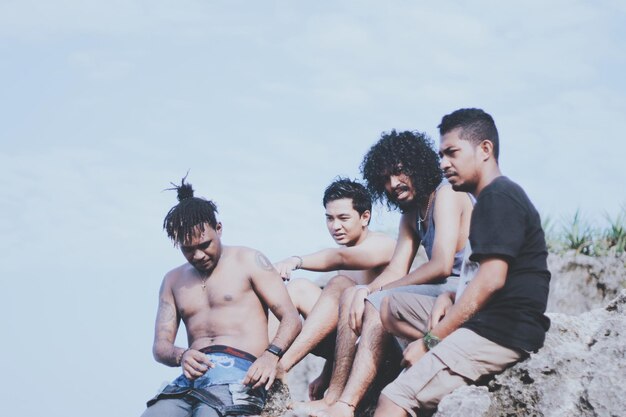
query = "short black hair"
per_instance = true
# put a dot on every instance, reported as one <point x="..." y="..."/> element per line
<point x="190" y="215"/>
<point x="409" y="153"/>
<point x="347" y="188"/>
<point x="476" y="125"/>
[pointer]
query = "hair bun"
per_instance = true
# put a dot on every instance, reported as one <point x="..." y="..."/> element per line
<point x="184" y="191"/>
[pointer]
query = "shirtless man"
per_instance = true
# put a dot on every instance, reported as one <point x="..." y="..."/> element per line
<point x="361" y="256"/>
<point x="403" y="170"/>
<point x="221" y="295"/>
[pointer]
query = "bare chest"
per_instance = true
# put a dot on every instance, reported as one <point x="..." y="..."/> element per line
<point x="198" y="297"/>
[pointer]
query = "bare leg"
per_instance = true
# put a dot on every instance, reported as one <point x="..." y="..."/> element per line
<point x="368" y="358"/>
<point x="345" y="348"/>
<point x="319" y="323"/>
<point x="397" y="326"/>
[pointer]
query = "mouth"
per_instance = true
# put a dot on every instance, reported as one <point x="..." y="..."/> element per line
<point x="401" y="192"/>
<point x="339" y="236"/>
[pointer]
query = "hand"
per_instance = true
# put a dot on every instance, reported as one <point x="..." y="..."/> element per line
<point x="357" y="308"/>
<point x="195" y="364"/>
<point x="440" y="309"/>
<point x="413" y="353"/>
<point x="262" y="371"/>
<point x="286" y="266"/>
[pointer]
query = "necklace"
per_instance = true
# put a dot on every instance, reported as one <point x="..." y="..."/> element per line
<point x="203" y="279"/>
<point x="419" y="214"/>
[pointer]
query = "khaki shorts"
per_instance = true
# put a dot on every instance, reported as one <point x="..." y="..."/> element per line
<point x="459" y="359"/>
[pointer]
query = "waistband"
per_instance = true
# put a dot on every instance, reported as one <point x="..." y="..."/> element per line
<point x="230" y="351"/>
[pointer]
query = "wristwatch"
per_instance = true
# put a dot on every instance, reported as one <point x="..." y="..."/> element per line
<point x="275" y="350"/>
<point x="430" y="340"/>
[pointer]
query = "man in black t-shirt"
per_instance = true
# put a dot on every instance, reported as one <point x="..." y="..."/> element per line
<point x="499" y="317"/>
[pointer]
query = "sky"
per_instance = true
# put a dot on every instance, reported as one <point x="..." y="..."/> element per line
<point x="104" y="103"/>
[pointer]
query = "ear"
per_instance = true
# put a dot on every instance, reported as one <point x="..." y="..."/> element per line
<point x="365" y="218"/>
<point x="486" y="149"/>
<point x="218" y="229"/>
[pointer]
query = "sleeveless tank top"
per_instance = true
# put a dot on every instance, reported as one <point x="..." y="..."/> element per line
<point x="428" y="237"/>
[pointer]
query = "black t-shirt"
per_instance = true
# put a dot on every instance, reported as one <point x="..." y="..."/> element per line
<point x="506" y="225"/>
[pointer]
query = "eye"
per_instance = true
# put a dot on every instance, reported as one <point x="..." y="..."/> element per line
<point x="204" y="245"/>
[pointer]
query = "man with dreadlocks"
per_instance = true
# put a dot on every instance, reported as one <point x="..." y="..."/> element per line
<point x="401" y="169"/>
<point x="221" y="294"/>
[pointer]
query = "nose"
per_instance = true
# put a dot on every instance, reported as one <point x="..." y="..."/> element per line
<point x="336" y="224"/>
<point x="393" y="181"/>
<point x="198" y="254"/>
<point x="444" y="163"/>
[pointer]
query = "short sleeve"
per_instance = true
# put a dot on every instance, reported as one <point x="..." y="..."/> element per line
<point x="497" y="228"/>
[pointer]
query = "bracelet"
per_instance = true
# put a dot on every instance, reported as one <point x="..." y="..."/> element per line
<point x="299" y="261"/>
<point x="179" y="360"/>
<point x="347" y="403"/>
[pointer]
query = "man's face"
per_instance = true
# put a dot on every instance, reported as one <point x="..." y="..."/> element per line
<point x="204" y="249"/>
<point x="460" y="161"/>
<point x="344" y="223"/>
<point x="399" y="189"/>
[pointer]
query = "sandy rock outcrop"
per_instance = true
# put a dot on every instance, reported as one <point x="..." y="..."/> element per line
<point x="580" y="283"/>
<point x="581" y="371"/>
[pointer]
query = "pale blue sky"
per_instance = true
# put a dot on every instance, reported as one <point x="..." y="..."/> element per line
<point x="105" y="102"/>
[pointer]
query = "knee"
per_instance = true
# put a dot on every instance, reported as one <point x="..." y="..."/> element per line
<point x="346" y="296"/>
<point x="339" y="283"/>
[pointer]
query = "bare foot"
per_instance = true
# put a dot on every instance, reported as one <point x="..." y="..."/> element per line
<point x="338" y="409"/>
<point x="310" y="407"/>
<point x="319" y="385"/>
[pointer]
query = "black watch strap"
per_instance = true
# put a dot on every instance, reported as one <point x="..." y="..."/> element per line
<point x="275" y="350"/>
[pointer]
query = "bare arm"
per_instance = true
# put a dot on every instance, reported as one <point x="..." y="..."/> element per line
<point x="405" y="250"/>
<point x="449" y="231"/>
<point x="375" y="251"/>
<point x="271" y="290"/>
<point x="166" y="327"/>
<point x="489" y="279"/>
<point x="406" y="247"/>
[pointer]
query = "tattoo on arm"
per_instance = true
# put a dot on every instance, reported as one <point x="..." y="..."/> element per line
<point x="166" y="312"/>
<point x="263" y="262"/>
<point x="165" y="333"/>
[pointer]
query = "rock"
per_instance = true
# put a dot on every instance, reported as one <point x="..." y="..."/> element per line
<point x="580" y="283"/>
<point x="278" y="399"/>
<point x="468" y="401"/>
<point x="579" y="372"/>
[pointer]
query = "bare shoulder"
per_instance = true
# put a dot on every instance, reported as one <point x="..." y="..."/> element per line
<point x="380" y="238"/>
<point x="175" y="275"/>
<point x="447" y="197"/>
<point x="251" y="258"/>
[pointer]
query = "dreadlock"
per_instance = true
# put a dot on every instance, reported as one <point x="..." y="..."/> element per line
<point x="189" y="215"/>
